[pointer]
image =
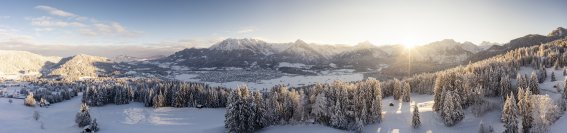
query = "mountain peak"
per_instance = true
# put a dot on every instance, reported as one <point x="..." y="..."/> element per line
<point x="299" y="41"/>
<point x="560" y="31"/>
<point x="237" y="44"/>
<point x="365" y="44"/>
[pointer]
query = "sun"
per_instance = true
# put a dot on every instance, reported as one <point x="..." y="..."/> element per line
<point x="409" y="46"/>
<point x="409" y="43"/>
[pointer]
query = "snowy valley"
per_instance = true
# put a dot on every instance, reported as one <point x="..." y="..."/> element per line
<point x="293" y="66"/>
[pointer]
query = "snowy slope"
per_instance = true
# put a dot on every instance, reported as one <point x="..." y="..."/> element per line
<point x="397" y="119"/>
<point x="14" y="62"/>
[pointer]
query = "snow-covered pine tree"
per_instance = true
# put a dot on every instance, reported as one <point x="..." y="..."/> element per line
<point x="438" y="92"/>
<point x="510" y="115"/>
<point x="320" y="109"/>
<point x="29" y="101"/>
<point x="452" y="112"/>
<point x="232" y="118"/>
<point x="83" y="117"/>
<point x="259" y="108"/>
<point x="553" y="76"/>
<point x="397" y="89"/>
<point x="521" y="104"/>
<point x="376" y="103"/>
<point x="376" y="115"/>
<point x="534" y="84"/>
<point x="415" y="121"/>
<point x="505" y="87"/>
<point x="527" y="117"/>
<point x="159" y="100"/>
<point x="94" y="125"/>
<point x="522" y="81"/>
<point x="406" y="92"/>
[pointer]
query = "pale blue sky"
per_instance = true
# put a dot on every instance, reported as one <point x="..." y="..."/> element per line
<point x="136" y="22"/>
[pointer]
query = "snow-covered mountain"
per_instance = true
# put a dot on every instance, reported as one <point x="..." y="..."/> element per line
<point x="525" y="41"/>
<point x="21" y="62"/>
<point x="81" y="66"/>
<point x="252" y="52"/>
<point x="560" y="31"/>
<point x="254" y="45"/>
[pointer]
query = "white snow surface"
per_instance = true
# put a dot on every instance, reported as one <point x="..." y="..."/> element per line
<point x="397" y="119"/>
<point x="289" y="80"/>
<point x="133" y="117"/>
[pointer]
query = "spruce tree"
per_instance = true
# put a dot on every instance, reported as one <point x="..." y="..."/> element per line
<point x="406" y="92"/>
<point x="415" y="121"/>
<point x="505" y="87"/>
<point x="259" y="109"/>
<point x="83" y="117"/>
<point x="232" y="117"/>
<point x="521" y="104"/>
<point x="534" y="84"/>
<point x="320" y="108"/>
<point x="397" y="89"/>
<point x="452" y="112"/>
<point x="553" y="76"/>
<point x="510" y="115"/>
<point x="527" y="117"/>
<point x="94" y="125"/>
<point x="438" y="93"/>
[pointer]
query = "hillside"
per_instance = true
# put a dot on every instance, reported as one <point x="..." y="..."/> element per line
<point x="23" y="62"/>
<point x="81" y="66"/>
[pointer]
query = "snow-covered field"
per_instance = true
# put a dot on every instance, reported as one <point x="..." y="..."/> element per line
<point x="59" y="118"/>
<point x="290" y="80"/>
<point x="134" y="117"/>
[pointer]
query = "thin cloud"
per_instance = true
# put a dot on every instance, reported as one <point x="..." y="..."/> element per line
<point x="55" y="11"/>
<point x="245" y="31"/>
<point x="79" y="24"/>
<point x="45" y="21"/>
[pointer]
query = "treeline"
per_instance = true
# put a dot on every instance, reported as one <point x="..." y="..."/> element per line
<point x="54" y="91"/>
<point x="155" y="93"/>
<point x="466" y="86"/>
<point x="341" y="105"/>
